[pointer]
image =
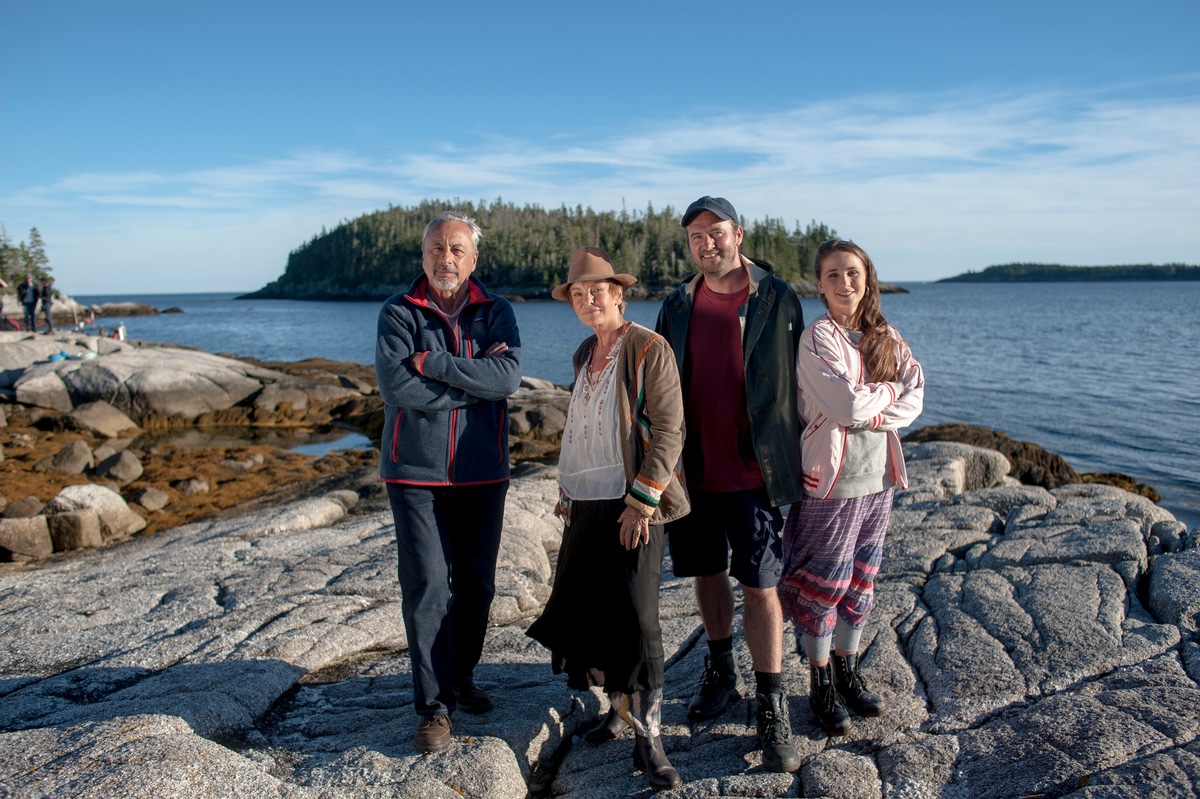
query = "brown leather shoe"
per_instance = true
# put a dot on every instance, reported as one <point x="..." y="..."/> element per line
<point x="433" y="733"/>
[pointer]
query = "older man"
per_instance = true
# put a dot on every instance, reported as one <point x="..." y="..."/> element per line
<point x="447" y="357"/>
<point x="734" y="328"/>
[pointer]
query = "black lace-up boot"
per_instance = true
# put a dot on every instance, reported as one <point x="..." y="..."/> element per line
<point x="775" y="734"/>
<point x="721" y="684"/>
<point x="853" y="690"/>
<point x="827" y="702"/>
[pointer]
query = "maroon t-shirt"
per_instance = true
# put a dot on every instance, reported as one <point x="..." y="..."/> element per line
<point x="719" y="455"/>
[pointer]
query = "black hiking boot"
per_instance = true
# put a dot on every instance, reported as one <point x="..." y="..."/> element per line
<point x="826" y="702"/>
<point x="853" y="690"/>
<point x="721" y="685"/>
<point x="775" y="734"/>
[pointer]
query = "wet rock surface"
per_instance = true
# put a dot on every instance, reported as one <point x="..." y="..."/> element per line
<point x="201" y="433"/>
<point x="190" y="433"/>
<point x="1028" y="642"/>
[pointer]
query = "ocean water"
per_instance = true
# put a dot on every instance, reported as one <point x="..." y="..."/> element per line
<point x="1104" y="374"/>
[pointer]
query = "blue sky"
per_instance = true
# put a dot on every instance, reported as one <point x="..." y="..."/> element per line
<point x="189" y="146"/>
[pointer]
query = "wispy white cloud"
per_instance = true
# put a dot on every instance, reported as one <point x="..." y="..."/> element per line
<point x="932" y="184"/>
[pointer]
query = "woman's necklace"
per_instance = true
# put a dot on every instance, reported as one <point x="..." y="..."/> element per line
<point x="594" y="375"/>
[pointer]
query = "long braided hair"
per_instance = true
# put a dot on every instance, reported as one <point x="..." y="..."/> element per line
<point x="880" y="351"/>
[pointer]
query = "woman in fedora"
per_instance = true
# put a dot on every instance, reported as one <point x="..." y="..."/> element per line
<point x="618" y="484"/>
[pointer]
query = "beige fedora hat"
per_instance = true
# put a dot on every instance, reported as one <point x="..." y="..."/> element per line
<point x="590" y="263"/>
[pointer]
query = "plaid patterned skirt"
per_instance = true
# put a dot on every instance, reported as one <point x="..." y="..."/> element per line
<point x="831" y="553"/>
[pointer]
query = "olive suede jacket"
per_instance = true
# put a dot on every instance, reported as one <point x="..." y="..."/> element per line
<point x="446" y="419"/>
<point x="651" y="413"/>
<point x="772" y="322"/>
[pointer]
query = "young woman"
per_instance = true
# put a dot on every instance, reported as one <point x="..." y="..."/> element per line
<point x="858" y="384"/>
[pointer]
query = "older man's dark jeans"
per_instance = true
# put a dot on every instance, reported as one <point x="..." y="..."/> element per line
<point x="447" y="542"/>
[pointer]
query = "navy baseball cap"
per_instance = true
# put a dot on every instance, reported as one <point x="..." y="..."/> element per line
<point x="717" y="205"/>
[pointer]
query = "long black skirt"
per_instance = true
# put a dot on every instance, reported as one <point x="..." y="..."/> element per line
<point x="603" y="610"/>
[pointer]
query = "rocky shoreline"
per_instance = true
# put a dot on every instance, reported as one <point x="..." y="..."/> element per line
<point x="1029" y="641"/>
<point x="176" y="435"/>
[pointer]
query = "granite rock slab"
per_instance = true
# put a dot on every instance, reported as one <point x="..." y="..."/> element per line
<point x="1026" y="642"/>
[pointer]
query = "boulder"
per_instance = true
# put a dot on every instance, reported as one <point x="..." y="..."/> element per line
<point x="163" y="381"/>
<point x="152" y="498"/>
<point x="24" y="508"/>
<point x="77" y="529"/>
<point x="1167" y="536"/>
<point x="1031" y="464"/>
<point x="156" y="386"/>
<point x="101" y="419"/>
<point x="116" y="519"/>
<point x="74" y="458"/>
<point x="44" y="389"/>
<point x="982" y="467"/>
<point x="122" y="468"/>
<point x="191" y="486"/>
<point x="536" y="418"/>
<point x="19" y="351"/>
<point x="110" y="448"/>
<point x="26" y="538"/>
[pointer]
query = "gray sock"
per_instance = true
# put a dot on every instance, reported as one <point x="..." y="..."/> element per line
<point x="817" y="649"/>
<point x="845" y="637"/>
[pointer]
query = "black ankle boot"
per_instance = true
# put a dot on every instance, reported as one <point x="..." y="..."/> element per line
<point x="827" y="702"/>
<point x="721" y="684"/>
<point x="648" y="756"/>
<point x="853" y="690"/>
<point x="775" y="734"/>
<point x="608" y="728"/>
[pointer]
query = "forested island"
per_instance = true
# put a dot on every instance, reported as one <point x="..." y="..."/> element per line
<point x="524" y="250"/>
<point x="1038" y="273"/>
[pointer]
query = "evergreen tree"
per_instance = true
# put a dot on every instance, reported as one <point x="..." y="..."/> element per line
<point x="10" y="268"/>
<point x="806" y="244"/>
<point x="34" y="257"/>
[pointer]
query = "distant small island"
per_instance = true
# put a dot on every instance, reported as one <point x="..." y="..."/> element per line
<point x="1043" y="273"/>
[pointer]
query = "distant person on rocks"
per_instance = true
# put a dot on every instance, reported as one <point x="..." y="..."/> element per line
<point x="858" y="384"/>
<point x="447" y="356"/>
<point x="618" y="484"/>
<point x="734" y="328"/>
<point x="27" y="293"/>
<point x="47" y="295"/>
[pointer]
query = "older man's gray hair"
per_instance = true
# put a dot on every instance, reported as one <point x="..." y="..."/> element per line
<point x="454" y="216"/>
